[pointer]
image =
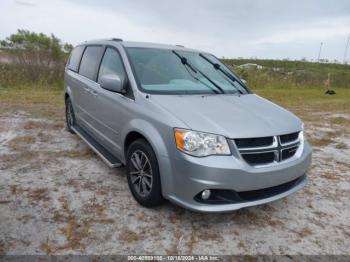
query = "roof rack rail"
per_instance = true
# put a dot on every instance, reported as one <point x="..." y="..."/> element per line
<point x="180" y="45"/>
<point x="117" y="39"/>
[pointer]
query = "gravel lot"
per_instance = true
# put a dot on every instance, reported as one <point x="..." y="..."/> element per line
<point x="58" y="197"/>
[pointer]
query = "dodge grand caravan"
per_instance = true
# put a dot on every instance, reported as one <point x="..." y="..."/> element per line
<point x="184" y="125"/>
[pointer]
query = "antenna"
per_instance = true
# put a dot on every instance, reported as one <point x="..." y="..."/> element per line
<point x="319" y="52"/>
<point x="346" y="49"/>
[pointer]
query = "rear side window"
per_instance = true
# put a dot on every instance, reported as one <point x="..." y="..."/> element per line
<point x="111" y="64"/>
<point x="75" y="57"/>
<point x="90" y="61"/>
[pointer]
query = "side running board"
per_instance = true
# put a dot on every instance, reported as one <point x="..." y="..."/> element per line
<point x="102" y="152"/>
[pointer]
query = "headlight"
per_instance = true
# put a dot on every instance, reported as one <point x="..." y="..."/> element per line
<point x="301" y="142"/>
<point x="200" y="144"/>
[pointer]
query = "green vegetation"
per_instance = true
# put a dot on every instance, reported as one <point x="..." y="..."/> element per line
<point x="37" y="60"/>
<point x="290" y="74"/>
<point x="298" y="85"/>
<point x="38" y="101"/>
<point x="30" y="58"/>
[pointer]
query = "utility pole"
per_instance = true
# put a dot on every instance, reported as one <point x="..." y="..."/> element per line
<point x="346" y="49"/>
<point x="319" y="52"/>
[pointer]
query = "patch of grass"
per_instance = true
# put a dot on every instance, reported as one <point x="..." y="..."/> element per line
<point x="43" y="125"/>
<point x="32" y="125"/>
<point x="93" y="207"/>
<point x="329" y="175"/>
<point x="308" y="100"/>
<point x="341" y="145"/>
<point x="207" y="236"/>
<point x="321" y="142"/>
<point x="34" y="195"/>
<point x="58" y="216"/>
<point x="10" y="160"/>
<point x="242" y="245"/>
<point x="77" y="224"/>
<point x="48" y="247"/>
<point x="3" y="247"/>
<point x="38" y="194"/>
<point x="15" y="190"/>
<point x="343" y="166"/>
<point x="44" y="138"/>
<point x="26" y="218"/>
<point x="83" y="154"/>
<point x="37" y="101"/>
<point x="339" y="120"/>
<point x="292" y="74"/>
<point x="263" y="219"/>
<point x="75" y="229"/>
<point x="304" y="232"/>
<point x="20" y="142"/>
<point x="128" y="235"/>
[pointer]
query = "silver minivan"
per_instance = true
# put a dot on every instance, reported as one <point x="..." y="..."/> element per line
<point x="185" y="126"/>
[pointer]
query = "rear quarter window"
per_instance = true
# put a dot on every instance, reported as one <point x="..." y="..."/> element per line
<point x="90" y="62"/>
<point x="74" y="60"/>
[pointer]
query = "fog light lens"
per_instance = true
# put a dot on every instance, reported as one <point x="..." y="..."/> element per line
<point x="206" y="194"/>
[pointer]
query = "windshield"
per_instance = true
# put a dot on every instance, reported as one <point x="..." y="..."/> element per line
<point x="162" y="71"/>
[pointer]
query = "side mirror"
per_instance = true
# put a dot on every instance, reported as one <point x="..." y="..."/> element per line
<point x="244" y="81"/>
<point x="113" y="83"/>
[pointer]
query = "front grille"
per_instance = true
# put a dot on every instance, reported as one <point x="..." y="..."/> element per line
<point x="289" y="138"/>
<point x="259" y="158"/>
<point x="254" y="142"/>
<point x="289" y="152"/>
<point x="267" y="150"/>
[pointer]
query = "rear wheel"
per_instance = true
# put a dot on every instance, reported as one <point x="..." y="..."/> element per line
<point x="70" y="117"/>
<point x="143" y="174"/>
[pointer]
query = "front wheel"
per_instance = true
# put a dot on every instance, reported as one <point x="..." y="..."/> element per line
<point x="143" y="174"/>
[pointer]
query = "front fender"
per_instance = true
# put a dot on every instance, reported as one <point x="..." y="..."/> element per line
<point x="149" y="132"/>
<point x="68" y="91"/>
<point x="158" y="144"/>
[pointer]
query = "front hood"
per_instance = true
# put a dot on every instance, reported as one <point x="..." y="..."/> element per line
<point x="230" y="115"/>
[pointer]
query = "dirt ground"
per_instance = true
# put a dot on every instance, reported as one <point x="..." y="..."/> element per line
<point x="58" y="197"/>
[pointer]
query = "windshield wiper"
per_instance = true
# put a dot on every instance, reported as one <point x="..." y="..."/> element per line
<point x="218" y="67"/>
<point x="195" y="70"/>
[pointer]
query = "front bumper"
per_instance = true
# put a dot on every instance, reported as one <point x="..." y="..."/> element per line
<point x="191" y="175"/>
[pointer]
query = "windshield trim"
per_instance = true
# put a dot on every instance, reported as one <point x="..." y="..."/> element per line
<point x="156" y="92"/>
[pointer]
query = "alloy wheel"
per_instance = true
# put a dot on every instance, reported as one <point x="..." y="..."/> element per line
<point x="141" y="173"/>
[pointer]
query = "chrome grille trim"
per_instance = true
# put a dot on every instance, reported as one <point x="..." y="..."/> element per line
<point x="277" y="147"/>
<point x="273" y="145"/>
<point x="290" y="142"/>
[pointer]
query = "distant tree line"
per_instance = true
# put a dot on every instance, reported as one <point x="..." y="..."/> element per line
<point x="37" y="59"/>
<point x="34" y="57"/>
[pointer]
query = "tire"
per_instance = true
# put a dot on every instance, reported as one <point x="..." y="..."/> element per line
<point x="143" y="178"/>
<point x="70" y="117"/>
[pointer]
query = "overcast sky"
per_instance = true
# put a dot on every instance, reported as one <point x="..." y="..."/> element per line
<point x="230" y="28"/>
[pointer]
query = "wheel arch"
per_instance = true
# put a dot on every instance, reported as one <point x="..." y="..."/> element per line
<point x="143" y="129"/>
<point x="131" y="137"/>
<point x="66" y="96"/>
<point x="139" y="128"/>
